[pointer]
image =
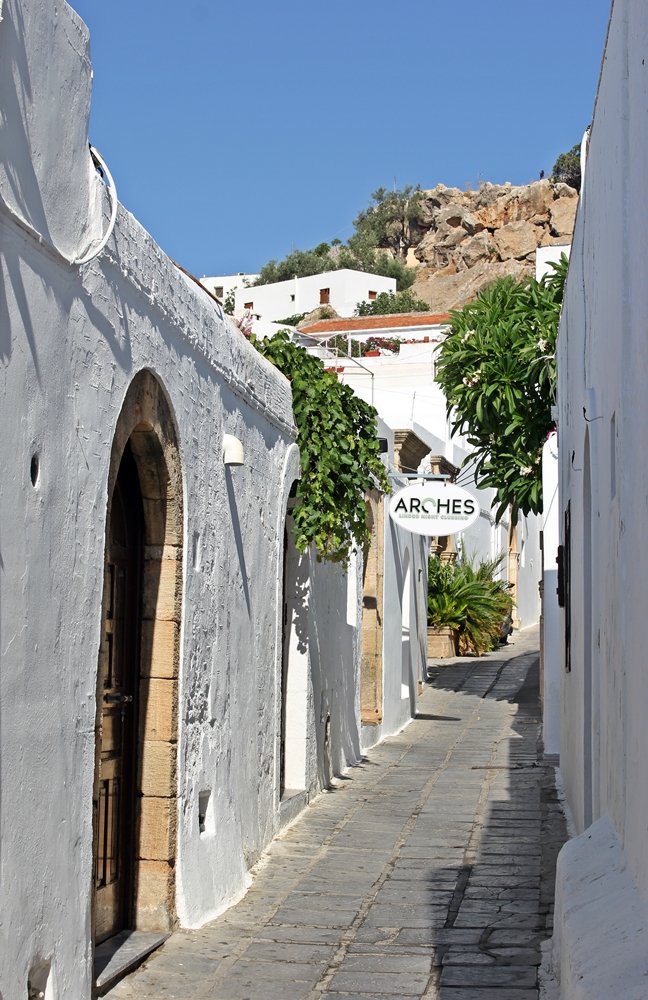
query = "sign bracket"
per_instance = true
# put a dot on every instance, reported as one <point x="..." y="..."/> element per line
<point x="394" y="474"/>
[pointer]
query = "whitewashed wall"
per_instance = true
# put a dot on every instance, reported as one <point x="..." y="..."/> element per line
<point x="71" y="341"/>
<point x="404" y="617"/>
<point x="552" y="634"/>
<point x="403" y="390"/>
<point x="298" y="295"/>
<point x="222" y="285"/>
<point x="601" y="935"/>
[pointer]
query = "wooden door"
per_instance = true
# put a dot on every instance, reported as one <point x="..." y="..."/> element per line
<point x="114" y="798"/>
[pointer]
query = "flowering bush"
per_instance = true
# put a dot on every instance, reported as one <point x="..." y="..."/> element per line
<point x="497" y="368"/>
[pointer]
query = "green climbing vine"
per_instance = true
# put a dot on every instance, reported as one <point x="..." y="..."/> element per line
<point x="340" y="458"/>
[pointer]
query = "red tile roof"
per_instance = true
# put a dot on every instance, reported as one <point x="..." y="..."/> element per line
<point x="404" y="320"/>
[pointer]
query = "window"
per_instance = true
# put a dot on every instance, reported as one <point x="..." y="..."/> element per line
<point x="248" y="305"/>
<point x="218" y="291"/>
<point x="325" y="296"/>
<point x="372" y="296"/>
<point x="292" y="298"/>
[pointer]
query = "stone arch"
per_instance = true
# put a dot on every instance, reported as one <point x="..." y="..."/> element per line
<point x="146" y="435"/>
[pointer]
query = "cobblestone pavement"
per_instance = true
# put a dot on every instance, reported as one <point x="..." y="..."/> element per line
<point x="428" y="871"/>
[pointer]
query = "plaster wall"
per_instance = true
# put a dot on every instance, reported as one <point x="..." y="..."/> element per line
<point x="546" y="256"/>
<point x="529" y="570"/>
<point x="404" y="633"/>
<point x="335" y="664"/>
<point x="221" y="285"/>
<point x="603" y="368"/>
<point x="298" y="295"/>
<point x="71" y="341"/>
<point x="552" y="624"/>
<point x="404" y="628"/>
<point x="403" y="390"/>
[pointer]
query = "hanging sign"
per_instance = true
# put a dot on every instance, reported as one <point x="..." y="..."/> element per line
<point x="433" y="508"/>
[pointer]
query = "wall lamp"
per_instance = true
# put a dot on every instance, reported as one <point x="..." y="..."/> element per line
<point x="233" y="453"/>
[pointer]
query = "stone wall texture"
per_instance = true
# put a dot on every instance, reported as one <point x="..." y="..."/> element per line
<point x="468" y="239"/>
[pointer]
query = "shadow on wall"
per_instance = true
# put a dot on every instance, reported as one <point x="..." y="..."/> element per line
<point x="238" y="538"/>
<point x="14" y="73"/>
<point x="321" y="609"/>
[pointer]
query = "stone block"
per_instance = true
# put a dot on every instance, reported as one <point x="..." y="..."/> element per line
<point x="158" y="710"/>
<point x="162" y="589"/>
<point x="158" y="771"/>
<point x="154" y="896"/>
<point x="157" y="829"/>
<point x="163" y="521"/>
<point x="160" y="650"/>
<point x="371" y="640"/>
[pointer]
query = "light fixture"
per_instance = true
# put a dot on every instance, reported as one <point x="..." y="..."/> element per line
<point x="233" y="453"/>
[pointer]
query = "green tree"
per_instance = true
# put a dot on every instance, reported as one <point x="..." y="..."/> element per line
<point x="386" y="303"/>
<point x="567" y="168"/>
<point x="383" y="234"/>
<point x="389" y="222"/>
<point x="338" y="444"/>
<point x="299" y="263"/>
<point x="497" y="369"/>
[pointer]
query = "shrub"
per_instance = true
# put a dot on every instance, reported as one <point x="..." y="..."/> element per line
<point x="469" y="600"/>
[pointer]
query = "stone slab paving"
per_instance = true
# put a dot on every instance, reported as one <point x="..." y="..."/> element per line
<point x="428" y="872"/>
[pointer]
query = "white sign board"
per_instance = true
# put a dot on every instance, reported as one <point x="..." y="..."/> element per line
<point x="433" y="508"/>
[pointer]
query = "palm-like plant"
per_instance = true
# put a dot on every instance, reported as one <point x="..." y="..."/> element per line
<point x="469" y="600"/>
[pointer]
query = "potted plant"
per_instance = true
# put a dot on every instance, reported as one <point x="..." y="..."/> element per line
<point x="468" y="604"/>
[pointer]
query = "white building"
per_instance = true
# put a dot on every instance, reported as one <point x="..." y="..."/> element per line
<point x="156" y="729"/>
<point x="342" y="290"/>
<point x="402" y="388"/>
<point x="601" y="921"/>
<point x="226" y="284"/>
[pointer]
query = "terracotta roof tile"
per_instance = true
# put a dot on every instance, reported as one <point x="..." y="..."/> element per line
<point x="404" y="320"/>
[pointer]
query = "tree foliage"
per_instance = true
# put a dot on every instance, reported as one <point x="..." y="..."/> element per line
<point x="470" y="600"/>
<point x="567" y="168"/>
<point x="383" y="233"/>
<point x="390" y="221"/>
<point x="386" y="303"/>
<point x="340" y="459"/>
<point x="497" y="369"/>
<point x="299" y="263"/>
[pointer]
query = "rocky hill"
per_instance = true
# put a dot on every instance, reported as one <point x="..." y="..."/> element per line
<point x="470" y="238"/>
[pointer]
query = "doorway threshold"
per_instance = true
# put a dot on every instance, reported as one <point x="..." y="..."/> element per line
<point x="293" y="802"/>
<point x="119" y="955"/>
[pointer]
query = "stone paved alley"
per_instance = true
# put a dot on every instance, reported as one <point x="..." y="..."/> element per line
<point x="427" y="872"/>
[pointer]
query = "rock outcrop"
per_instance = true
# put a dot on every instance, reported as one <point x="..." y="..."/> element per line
<point x="470" y="238"/>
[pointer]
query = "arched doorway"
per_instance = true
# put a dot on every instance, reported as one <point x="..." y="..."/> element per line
<point x="135" y="790"/>
<point x="118" y="705"/>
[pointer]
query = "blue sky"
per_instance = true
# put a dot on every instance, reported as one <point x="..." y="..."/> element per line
<point x="237" y="132"/>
